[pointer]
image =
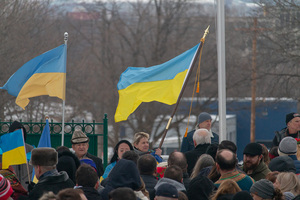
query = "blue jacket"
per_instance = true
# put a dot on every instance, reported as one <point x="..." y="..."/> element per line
<point x="188" y="143"/>
<point x="297" y="163"/>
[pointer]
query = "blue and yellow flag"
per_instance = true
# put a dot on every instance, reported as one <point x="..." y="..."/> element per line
<point x="160" y="83"/>
<point x="43" y="75"/>
<point x="45" y="141"/>
<point x="13" y="149"/>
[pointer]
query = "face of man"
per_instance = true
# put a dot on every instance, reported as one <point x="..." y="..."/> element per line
<point x="250" y="162"/>
<point x="80" y="149"/>
<point x="294" y="125"/>
<point x="206" y="124"/>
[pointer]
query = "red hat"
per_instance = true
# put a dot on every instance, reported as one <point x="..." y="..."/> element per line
<point x="5" y="188"/>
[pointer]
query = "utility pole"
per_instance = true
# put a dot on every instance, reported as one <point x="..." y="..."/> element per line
<point x="255" y="31"/>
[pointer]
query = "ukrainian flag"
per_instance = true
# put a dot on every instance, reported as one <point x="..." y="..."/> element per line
<point x="13" y="148"/>
<point x="160" y="83"/>
<point x="43" y="75"/>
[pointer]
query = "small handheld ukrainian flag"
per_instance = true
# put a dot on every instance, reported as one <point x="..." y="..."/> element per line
<point x="13" y="148"/>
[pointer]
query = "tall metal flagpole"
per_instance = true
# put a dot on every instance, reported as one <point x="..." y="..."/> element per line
<point x="184" y="85"/>
<point x="63" y="112"/>
<point x="221" y="68"/>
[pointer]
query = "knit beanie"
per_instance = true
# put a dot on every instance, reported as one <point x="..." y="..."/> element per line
<point x="5" y="188"/>
<point x="282" y="164"/>
<point x="288" y="145"/>
<point x="290" y="116"/>
<point x="263" y="188"/>
<point x="203" y="117"/>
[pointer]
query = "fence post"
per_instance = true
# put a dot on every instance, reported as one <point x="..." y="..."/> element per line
<point x="105" y="143"/>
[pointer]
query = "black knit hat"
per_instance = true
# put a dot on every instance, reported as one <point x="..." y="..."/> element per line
<point x="167" y="190"/>
<point x="17" y="125"/>
<point x="282" y="164"/>
<point x="253" y="149"/>
<point x="290" y="116"/>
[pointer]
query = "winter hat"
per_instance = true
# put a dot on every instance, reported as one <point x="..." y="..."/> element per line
<point x="290" y="116"/>
<point x="17" y="125"/>
<point x="253" y="149"/>
<point x="79" y="137"/>
<point x="5" y="188"/>
<point x="288" y="145"/>
<point x="167" y="190"/>
<point x="282" y="164"/>
<point x="242" y="195"/>
<point x="263" y="188"/>
<point x="43" y="156"/>
<point x="203" y="117"/>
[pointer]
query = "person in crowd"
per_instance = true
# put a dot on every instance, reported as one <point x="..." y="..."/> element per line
<point x="288" y="182"/>
<point x="244" y="195"/>
<point x="131" y="155"/>
<point x="119" y="149"/>
<point x="226" y="165"/>
<point x="292" y="128"/>
<point x="203" y="161"/>
<point x="212" y="150"/>
<point x="282" y="164"/>
<point x="226" y="190"/>
<point x="5" y="189"/>
<point x="124" y="174"/>
<point x="200" y="188"/>
<point x="80" y="144"/>
<point x="67" y="162"/>
<point x="272" y="176"/>
<point x="141" y="146"/>
<point x="21" y="170"/>
<point x="122" y="194"/>
<point x="173" y="176"/>
<point x="288" y="147"/>
<point x="18" y="189"/>
<point x="273" y="153"/>
<point x="201" y="141"/>
<point x="147" y="168"/>
<point x="44" y="162"/>
<point x="178" y="158"/>
<point x="87" y="180"/>
<point x="265" y="153"/>
<point x="204" y="121"/>
<point x="264" y="189"/>
<point x="254" y="164"/>
<point x="71" y="194"/>
<point x="166" y="192"/>
<point x="211" y="172"/>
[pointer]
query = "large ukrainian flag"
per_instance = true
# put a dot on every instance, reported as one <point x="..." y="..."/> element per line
<point x="13" y="149"/>
<point x="43" y="75"/>
<point x="160" y="83"/>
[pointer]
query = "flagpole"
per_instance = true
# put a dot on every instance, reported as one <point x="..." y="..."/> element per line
<point x="63" y="112"/>
<point x="184" y="86"/>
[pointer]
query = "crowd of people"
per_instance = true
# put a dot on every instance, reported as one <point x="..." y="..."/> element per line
<point x="205" y="168"/>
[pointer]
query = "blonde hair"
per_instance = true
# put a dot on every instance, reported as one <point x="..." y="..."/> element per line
<point x="226" y="187"/>
<point x="203" y="161"/>
<point x="289" y="182"/>
<point x="138" y="136"/>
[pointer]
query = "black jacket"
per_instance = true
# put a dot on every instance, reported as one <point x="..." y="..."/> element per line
<point x="68" y="162"/>
<point x="192" y="156"/>
<point x="91" y="193"/>
<point x="53" y="183"/>
<point x="150" y="182"/>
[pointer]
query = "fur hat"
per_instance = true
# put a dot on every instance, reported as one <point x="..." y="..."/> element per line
<point x="290" y="116"/>
<point x="43" y="156"/>
<point x="288" y="145"/>
<point x="203" y="117"/>
<point x="253" y="149"/>
<point x="79" y="137"/>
